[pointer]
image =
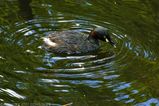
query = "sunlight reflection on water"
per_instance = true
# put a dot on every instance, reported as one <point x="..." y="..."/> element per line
<point x="109" y="75"/>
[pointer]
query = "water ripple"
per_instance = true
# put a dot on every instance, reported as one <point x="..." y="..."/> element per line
<point x="61" y="73"/>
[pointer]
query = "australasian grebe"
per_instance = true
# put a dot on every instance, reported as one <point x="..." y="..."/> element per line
<point x="73" y="42"/>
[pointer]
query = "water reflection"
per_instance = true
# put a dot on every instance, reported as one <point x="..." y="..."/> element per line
<point x="151" y="101"/>
<point x="25" y="9"/>
<point x="125" y="75"/>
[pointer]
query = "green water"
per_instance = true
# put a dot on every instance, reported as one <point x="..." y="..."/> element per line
<point x="123" y="76"/>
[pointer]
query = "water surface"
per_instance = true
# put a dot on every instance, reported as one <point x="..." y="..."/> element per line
<point x="125" y="75"/>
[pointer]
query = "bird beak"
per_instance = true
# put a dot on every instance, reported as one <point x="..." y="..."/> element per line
<point x="109" y="39"/>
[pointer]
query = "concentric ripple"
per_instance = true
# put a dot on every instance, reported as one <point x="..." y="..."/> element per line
<point x="29" y="39"/>
<point x="60" y="74"/>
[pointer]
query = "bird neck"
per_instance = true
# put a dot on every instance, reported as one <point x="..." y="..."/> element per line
<point x="93" y="40"/>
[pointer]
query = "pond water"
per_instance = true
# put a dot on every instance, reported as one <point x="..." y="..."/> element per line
<point x="121" y="76"/>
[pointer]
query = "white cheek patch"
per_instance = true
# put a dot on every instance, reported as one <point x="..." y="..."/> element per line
<point x="107" y="40"/>
<point x="49" y="42"/>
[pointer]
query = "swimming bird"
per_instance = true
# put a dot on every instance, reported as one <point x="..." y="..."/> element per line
<point x="73" y="42"/>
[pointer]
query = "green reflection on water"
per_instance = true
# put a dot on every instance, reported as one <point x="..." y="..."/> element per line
<point x="135" y="68"/>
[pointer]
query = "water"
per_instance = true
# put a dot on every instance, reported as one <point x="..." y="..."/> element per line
<point x="125" y="75"/>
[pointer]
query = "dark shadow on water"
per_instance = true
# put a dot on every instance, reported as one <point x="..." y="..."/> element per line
<point x="25" y="9"/>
